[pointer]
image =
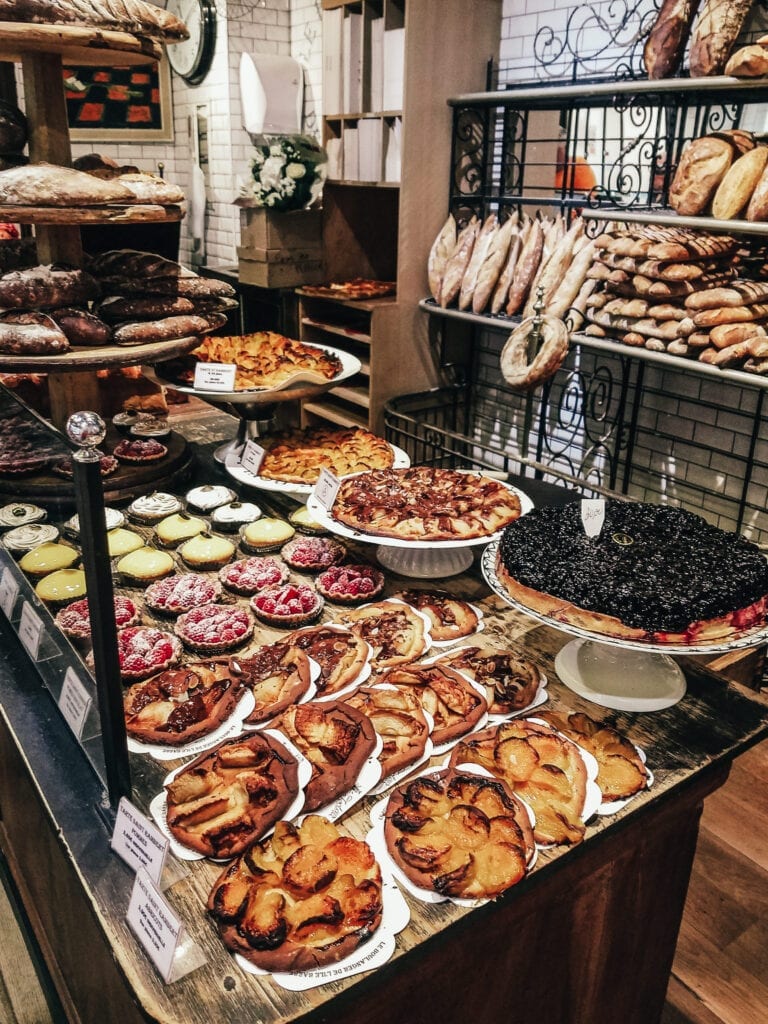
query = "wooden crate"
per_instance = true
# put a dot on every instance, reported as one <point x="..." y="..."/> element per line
<point x="265" y="230"/>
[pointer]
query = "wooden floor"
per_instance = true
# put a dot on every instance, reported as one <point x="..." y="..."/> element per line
<point x="720" y="973"/>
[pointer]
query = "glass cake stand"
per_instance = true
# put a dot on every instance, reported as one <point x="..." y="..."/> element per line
<point x="624" y="675"/>
<point x="418" y="559"/>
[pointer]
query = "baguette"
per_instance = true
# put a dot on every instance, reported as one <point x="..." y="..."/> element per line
<point x="526" y="269"/>
<point x="730" y="315"/>
<point x="572" y="283"/>
<point x="665" y="46"/>
<point x="476" y="260"/>
<point x="714" y="34"/>
<point x="725" y="335"/>
<point x="739" y="182"/>
<point x="118" y="15"/>
<point x="491" y="267"/>
<point x="442" y="247"/>
<point x="757" y="209"/>
<point x="456" y="265"/>
<point x="552" y="272"/>
<point x="501" y="291"/>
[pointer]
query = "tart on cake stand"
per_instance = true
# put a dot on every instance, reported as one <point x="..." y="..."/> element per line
<point x="614" y="672"/>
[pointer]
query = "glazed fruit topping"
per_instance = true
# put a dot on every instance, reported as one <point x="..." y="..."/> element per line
<point x="292" y="599"/>
<point x="313" y="551"/>
<point x="181" y="592"/>
<point x="142" y="649"/>
<point x="254" y="573"/>
<point x="351" y="581"/>
<point x="215" y="624"/>
<point x="140" y="449"/>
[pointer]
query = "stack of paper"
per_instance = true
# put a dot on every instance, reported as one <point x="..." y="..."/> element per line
<point x="394" y="66"/>
<point x="352" y="62"/>
<point x="351" y="169"/>
<point x="332" y="76"/>
<point x="369" y="140"/>
<point x="392" y="150"/>
<point x="376" y="65"/>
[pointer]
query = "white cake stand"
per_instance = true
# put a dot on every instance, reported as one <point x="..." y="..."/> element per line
<point x="418" y="559"/>
<point x="625" y="675"/>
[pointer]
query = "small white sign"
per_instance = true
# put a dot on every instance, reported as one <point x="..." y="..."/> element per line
<point x="9" y="591"/>
<point x="74" y="702"/>
<point x="252" y="457"/>
<point x="593" y="515"/>
<point x="154" y="924"/>
<point x="215" y="376"/>
<point x="138" y="841"/>
<point x="326" y="489"/>
<point x="30" y="630"/>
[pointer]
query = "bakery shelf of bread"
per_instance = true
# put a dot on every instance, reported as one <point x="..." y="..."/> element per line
<point x="668" y="218"/>
<point x="80" y="44"/>
<point x="137" y="214"/>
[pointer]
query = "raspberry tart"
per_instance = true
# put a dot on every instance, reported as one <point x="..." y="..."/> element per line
<point x="144" y="650"/>
<point x="247" y="576"/>
<point x="214" y="628"/>
<point x="65" y="467"/>
<point x="181" y="704"/>
<point x="313" y="554"/>
<point x="277" y="674"/>
<point x="74" y="622"/>
<point x="350" y="584"/>
<point x="140" y="450"/>
<point x="288" y="606"/>
<point x="181" y="592"/>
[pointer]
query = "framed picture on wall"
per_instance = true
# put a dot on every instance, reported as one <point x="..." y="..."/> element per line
<point x="120" y="104"/>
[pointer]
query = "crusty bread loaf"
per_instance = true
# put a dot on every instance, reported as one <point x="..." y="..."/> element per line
<point x="479" y="251"/>
<point x="442" y="247"/>
<point x="757" y="209"/>
<point x="30" y="334"/>
<point x="714" y="33"/>
<point x="703" y="165"/>
<point x="46" y="287"/>
<point x="736" y="188"/>
<point x="118" y="15"/>
<point x="457" y="262"/>
<point x="43" y="184"/>
<point x="748" y="62"/>
<point x="665" y="45"/>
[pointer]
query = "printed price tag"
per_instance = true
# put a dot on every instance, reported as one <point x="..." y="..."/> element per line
<point x="154" y="924"/>
<point x="252" y="457"/>
<point x="138" y="841"/>
<point x="74" y="702"/>
<point x="30" y="630"/>
<point x="593" y="515"/>
<point x="9" y="591"/>
<point x="215" y="376"/>
<point x="326" y="488"/>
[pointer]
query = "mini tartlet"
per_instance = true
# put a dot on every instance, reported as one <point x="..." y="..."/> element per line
<point x="350" y="584"/>
<point x="266" y="534"/>
<point x="288" y="606"/>
<point x="151" y="508"/>
<point x="65" y="466"/>
<point x="121" y="541"/>
<point x="214" y="628"/>
<point x="113" y="518"/>
<point x="145" y="565"/>
<point x="207" y="497"/>
<point x="247" y="576"/>
<point x="313" y="554"/>
<point x="181" y="592"/>
<point x="22" y="539"/>
<point x="140" y="450"/>
<point x="21" y="513"/>
<point x="47" y="558"/>
<point x="205" y="552"/>
<point x="61" y="586"/>
<point x="144" y="650"/>
<point x="303" y="520"/>
<point x="74" y="622"/>
<point x="178" y="527"/>
<point x="231" y="517"/>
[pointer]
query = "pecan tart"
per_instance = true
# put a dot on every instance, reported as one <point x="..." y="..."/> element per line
<point x="449" y="617"/>
<point x="459" y="834"/>
<point x="544" y="768"/>
<point x="510" y="680"/>
<point x="341" y="654"/>
<point x="181" y="704"/>
<point x="214" y="628"/>
<point x="306" y="897"/>
<point x="229" y="796"/>
<point x="397" y="717"/>
<point x="247" y="576"/>
<point x="297" y="456"/>
<point x="425" y="503"/>
<point x="394" y="630"/>
<point x="181" y="592"/>
<point x="336" y="739"/>
<point x="455" y="705"/>
<point x="277" y="674"/>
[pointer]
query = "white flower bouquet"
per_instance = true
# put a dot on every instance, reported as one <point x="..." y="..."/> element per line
<point x="287" y="173"/>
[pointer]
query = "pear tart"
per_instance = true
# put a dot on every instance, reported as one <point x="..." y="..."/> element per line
<point x="455" y="705"/>
<point x="621" y="772"/>
<point x="336" y="739"/>
<point x="450" y="618"/>
<point x="544" y="768"/>
<point x="230" y="796"/>
<point x="394" y="630"/>
<point x="459" y="834"/>
<point x="341" y="654"/>
<point x="297" y="456"/>
<point x="397" y="717"/>
<point x="179" y="705"/>
<point x="277" y="674"/>
<point x="425" y="503"/>
<point x="306" y="897"/>
<point x="511" y="681"/>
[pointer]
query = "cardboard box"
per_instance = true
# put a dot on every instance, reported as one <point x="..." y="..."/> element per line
<point x="264" y="229"/>
<point x="278" y="273"/>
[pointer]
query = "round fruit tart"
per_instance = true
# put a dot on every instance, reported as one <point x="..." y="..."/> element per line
<point x="181" y="704"/>
<point x="181" y="592"/>
<point x="312" y="554"/>
<point x="341" y="654"/>
<point x="397" y="716"/>
<point x="277" y="674"/>
<point x="65" y="466"/>
<point x="137" y="450"/>
<point x="214" y="628"/>
<point x="143" y="650"/>
<point x="449" y="617"/>
<point x="306" y="897"/>
<point x="288" y="606"/>
<point x="509" y="679"/>
<point x="350" y="584"/>
<point x="229" y="796"/>
<point x="247" y="576"/>
<point x="74" y="622"/>
<point x="453" y="702"/>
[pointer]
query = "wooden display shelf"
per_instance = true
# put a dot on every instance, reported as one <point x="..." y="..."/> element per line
<point x="81" y="45"/>
<point x="138" y="213"/>
<point x="99" y="357"/>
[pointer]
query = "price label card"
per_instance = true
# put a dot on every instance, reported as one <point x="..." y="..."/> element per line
<point x="138" y="841"/>
<point x="215" y="376"/>
<point x="593" y="515"/>
<point x="74" y="702"/>
<point x="326" y="488"/>
<point x="9" y="591"/>
<point x="252" y="457"/>
<point x="30" y="630"/>
<point x="154" y="924"/>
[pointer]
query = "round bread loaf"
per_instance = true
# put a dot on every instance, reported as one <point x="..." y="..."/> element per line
<point x="740" y="181"/>
<point x="748" y="62"/>
<point x="702" y="167"/>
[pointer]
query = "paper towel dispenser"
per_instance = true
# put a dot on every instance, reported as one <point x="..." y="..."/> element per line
<point x="271" y="94"/>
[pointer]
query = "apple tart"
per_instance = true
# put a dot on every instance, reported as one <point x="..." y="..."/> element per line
<point x="543" y="767"/>
<point x="397" y="716"/>
<point x="395" y="632"/>
<point x="510" y="680"/>
<point x="336" y="739"/>
<point x="459" y="834"/>
<point x="277" y="674"/>
<point x="230" y="796"/>
<point x="306" y="897"/>
<point x="341" y="654"/>
<point x="455" y="705"/>
<point x="449" y="617"/>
